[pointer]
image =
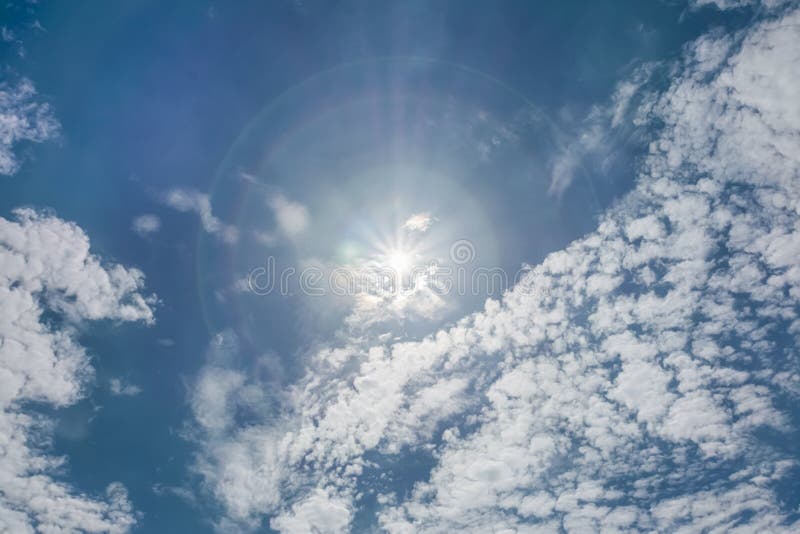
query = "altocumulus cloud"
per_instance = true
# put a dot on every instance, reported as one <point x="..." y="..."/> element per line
<point x="46" y="267"/>
<point x="624" y="384"/>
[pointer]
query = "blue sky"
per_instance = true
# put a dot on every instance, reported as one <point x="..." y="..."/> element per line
<point x="399" y="267"/>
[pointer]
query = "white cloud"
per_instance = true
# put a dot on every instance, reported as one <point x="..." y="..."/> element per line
<point x="317" y="513"/>
<point x="595" y="138"/>
<point x="146" y="224"/>
<point x="415" y="300"/>
<point x="622" y="385"/>
<point x="121" y="389"/>
<point x="419" y="222"/>
<point x="565" y="167"/>
<point x="46" y="266"/>
<point x="268" y="239"/>
<point x="291" y="220"/>
<point x="7" y="35"/>
<point x="22" y="119"/>
<point x="737" y="4"/>
<point x="189" y="200"/>
<point x="291" y="217"/>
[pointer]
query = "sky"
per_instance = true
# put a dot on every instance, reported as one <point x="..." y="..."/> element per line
<point x="305" y="266"/>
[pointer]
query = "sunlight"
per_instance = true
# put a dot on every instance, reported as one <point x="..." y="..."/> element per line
<point x="399" y="261"/>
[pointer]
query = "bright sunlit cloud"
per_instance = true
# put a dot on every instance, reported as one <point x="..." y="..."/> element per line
<point x="419" y="222"/>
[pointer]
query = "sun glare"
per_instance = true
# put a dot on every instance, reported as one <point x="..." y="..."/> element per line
<point x="398" y="260"/>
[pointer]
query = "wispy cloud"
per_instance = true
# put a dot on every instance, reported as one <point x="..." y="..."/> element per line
<point x="22" y="119"/>
<point x="189" y="200"/>
<point x="291" y="220"/>
<point x="121" y="389"/>
<point x="591" y="145"/>
<point x="737" y="4"/>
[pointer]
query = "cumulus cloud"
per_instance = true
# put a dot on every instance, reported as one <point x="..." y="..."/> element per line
<point x="22" y="119"/>
<point x="146" y="224"/>
<point x="632" y="381"/>
<point x="46" y="267"/>
<point x="189" y="200"/>
<point x="316" y="513"/>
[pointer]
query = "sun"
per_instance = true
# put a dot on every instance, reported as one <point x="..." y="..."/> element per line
<point x="398" y="260"/>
